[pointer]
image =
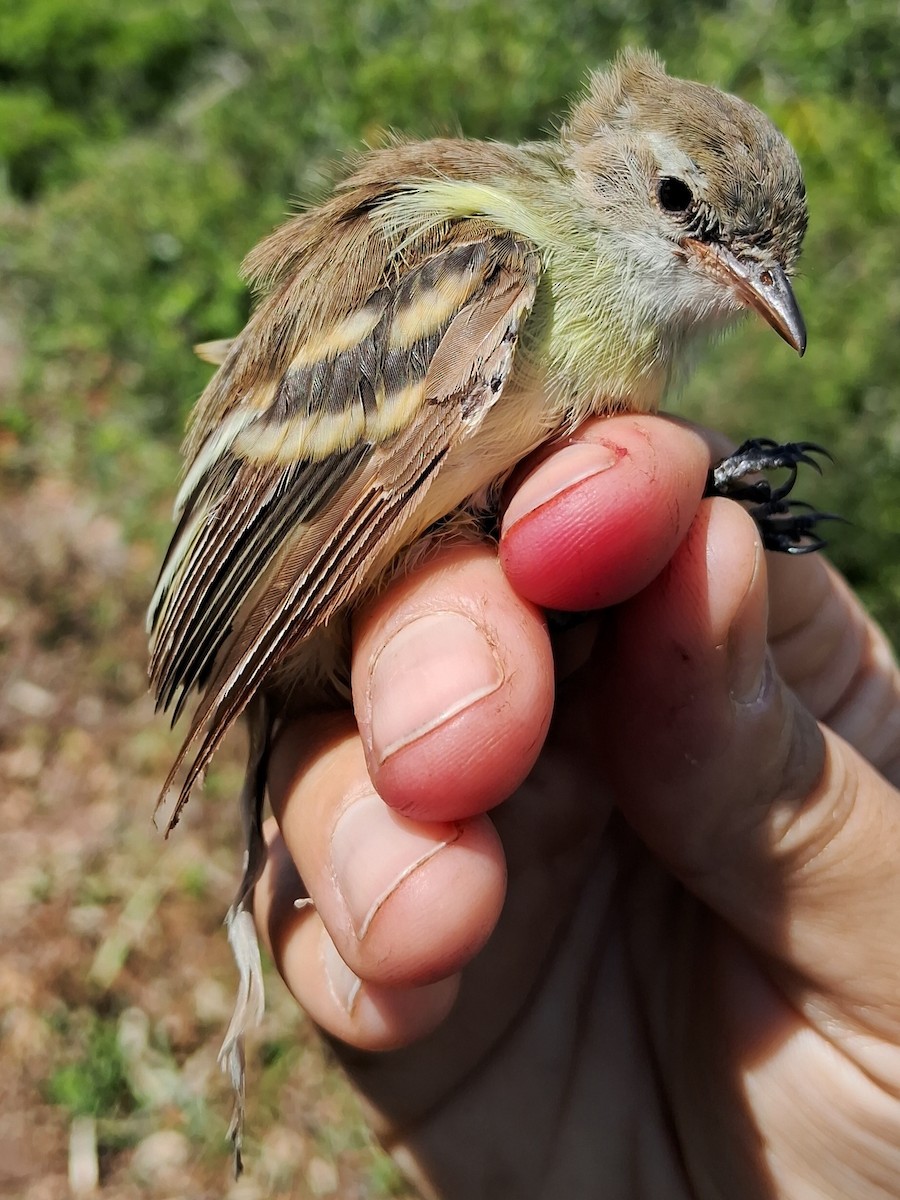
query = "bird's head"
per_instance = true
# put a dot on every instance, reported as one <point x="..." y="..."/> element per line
<point x="702" y="188"/>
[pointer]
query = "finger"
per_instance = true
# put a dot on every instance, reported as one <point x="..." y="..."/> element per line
<point x="452" y="679"/>
<point x="830" y="651"/>
<point x="404" y="902"/>
<point x="834" y="656"/>
<point x="600" y="515"/>
<point x="452" y="686"/>
<point x="362" y="1014"/>
<point x="784" y="831"/>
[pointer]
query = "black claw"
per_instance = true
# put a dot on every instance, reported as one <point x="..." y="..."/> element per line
<point x="815" y="448"/>
<point x="809" y="547"/>
<point x="782" y="524"/>
<point x="780" y="493"/>
<point x="788" y="531"/>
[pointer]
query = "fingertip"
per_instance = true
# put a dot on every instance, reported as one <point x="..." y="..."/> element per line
<point x="452" y="686"/>
<point x="369" y="1015"/>
<point x="387" y="904"/>
<point x="598" y="518"/>
<point x="360" y="1011"/>
<point x="380" y="881"/>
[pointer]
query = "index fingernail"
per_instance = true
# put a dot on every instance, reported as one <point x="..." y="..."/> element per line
<point x="565" y="468"/>
<point x="429" y="671"/>
<point x="375" y="850"/>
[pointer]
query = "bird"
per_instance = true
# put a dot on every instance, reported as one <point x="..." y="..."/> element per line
<point x="453" y="305"/>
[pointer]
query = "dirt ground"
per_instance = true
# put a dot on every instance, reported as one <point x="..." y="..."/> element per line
<point x="115" y="976"/>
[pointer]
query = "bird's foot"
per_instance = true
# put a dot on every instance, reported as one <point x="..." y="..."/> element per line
<point x="789" y="526"/>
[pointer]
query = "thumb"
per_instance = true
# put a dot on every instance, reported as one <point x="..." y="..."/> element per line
<point x="775" y="823"/>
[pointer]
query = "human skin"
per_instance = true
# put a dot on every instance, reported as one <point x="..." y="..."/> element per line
<point x="666" y="965"/>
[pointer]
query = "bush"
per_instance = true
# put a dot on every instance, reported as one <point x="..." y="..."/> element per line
<point x="147" y="144"/>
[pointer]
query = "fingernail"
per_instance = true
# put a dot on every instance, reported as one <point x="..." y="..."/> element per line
<point x="374" y="850"/>
<point x="430" y="670"/>
<point x="562" y="470"/>
<point x="747" y="646"/>
<point x="342" y="983"/>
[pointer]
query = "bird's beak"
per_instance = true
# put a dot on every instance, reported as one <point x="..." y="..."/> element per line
<point x="765" y="289"/>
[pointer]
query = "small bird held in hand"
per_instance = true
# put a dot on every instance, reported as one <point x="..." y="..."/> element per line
<point x="454" y="305"/>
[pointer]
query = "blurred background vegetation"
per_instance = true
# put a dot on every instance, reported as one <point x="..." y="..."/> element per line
<point x="145" y="146"/>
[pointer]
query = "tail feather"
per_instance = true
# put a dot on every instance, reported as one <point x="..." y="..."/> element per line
<point x="250" y="1001"/>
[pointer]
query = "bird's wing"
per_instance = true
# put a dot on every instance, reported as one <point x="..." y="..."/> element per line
<point x="315" y="442"/>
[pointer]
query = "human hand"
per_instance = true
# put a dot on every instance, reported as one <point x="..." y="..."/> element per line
<point x="692" y="987"/>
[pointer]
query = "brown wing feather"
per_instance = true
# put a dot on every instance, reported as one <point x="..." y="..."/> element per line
<point x="283" y="525"/>
<point x="304" y="597"/>
<point x="260" y="510"/>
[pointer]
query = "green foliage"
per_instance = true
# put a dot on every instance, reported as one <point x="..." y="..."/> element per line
<point x="147" y="144"/>
<point x="84" y="73"/>
<point x="96" y="1083"/>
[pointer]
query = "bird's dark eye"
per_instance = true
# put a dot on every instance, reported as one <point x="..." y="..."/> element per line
<point x="674" y="195"/>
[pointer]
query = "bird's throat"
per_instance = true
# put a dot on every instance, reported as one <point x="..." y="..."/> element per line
<point x="598" y="348"/>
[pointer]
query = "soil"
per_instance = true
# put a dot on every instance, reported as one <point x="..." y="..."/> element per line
<point x="115" y="977"/>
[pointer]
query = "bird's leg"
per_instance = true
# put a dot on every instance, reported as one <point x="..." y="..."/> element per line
<point x="789" y="526"/>
<point x="250" y="1002"/>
